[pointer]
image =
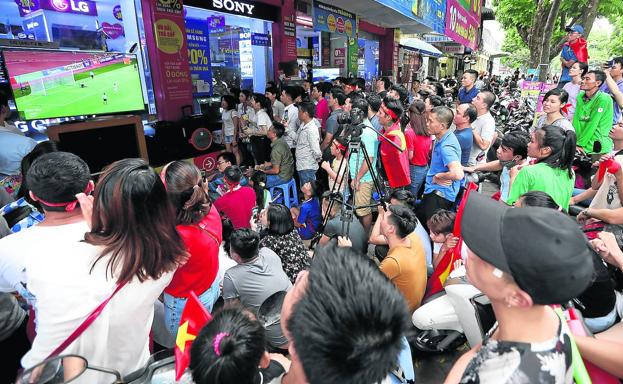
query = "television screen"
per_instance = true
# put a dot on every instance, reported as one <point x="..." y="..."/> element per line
<point x="325" y="74"/>
<point x="102" y="146"/>
<point x="49" y="84"/>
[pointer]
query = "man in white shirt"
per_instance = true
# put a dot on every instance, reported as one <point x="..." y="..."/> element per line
<point x="290" y="115"/>
<point x="278" y="107"/>
<point x="483" y="128"/>
<point x="308" y="152"/>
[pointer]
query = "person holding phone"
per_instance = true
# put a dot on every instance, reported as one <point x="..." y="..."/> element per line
<point x="614" y="84"/>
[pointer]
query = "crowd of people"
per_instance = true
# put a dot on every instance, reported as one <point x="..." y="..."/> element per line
<point x="344" y="205"/>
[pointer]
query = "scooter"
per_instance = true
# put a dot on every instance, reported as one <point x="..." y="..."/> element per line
<point x="160" y="369"/>
<point x="447" y="319"/>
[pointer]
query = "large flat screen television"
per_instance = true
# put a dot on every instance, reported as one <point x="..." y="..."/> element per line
<point x="48" y="84"/>
<point x="325" y="74"/>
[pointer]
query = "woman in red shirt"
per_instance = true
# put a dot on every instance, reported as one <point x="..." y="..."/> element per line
<point x="418" y="146"/>
<point x="199" y="225"/>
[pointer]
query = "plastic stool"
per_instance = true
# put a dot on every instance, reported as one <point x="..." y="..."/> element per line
<point x="287" y="193"/>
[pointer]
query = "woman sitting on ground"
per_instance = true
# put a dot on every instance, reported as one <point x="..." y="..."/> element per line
<point x="199" y="224"/>
<point x="282" y="238"/>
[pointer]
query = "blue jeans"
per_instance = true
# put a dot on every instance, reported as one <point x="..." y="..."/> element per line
<point x="273" y="180"/>
<point x="418" y="178"/>
<point x="173" y="306"/>
<point x="306" y="175"/>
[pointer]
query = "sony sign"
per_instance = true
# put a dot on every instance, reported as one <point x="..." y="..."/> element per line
<point x="233" y="6"/>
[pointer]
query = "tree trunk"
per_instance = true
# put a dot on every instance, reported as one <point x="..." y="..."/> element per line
<point x="535" y="38"/>
<point x="547" y="37"/>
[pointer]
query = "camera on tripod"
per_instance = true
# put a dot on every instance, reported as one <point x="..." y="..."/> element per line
<point x="351" y="122"/>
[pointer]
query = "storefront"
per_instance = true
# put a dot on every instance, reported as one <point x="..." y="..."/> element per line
<point x="418" y="60"/>
<point x="230" y="45"/>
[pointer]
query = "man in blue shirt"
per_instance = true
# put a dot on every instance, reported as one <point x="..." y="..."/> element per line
<point x="444" y="176"/>
<point x="468" y="86"/>
<point x="465" y="115"/>
<point x="615" y="73"/>
<point x="567" y="56"/>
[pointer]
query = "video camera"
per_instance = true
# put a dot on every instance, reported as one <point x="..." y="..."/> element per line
<point x="351" y="122"/>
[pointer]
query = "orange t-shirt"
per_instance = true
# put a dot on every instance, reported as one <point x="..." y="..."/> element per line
<point x="406" y="268"/>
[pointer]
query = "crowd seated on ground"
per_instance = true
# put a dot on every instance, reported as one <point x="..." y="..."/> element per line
<point x="342" y="232"/>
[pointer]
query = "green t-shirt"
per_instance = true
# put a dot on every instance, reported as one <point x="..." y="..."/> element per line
<point x="592" y="121"/>
<point x="370" y="140"/>
<point x="281" y="155"/>
<point x="541" y="177"/>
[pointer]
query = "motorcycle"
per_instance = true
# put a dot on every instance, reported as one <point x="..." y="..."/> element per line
<point x="448" y="319"/>
<point x="160" y="368"/>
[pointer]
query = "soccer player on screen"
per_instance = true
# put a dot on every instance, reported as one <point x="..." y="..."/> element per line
<point x="92" y="75"/>
<point x="115" y="87"/>
<point x="104" y="98"/>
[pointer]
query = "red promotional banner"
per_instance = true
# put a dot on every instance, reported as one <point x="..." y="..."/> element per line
<point x="462" y="25"/>
<point x="168" y="54"/>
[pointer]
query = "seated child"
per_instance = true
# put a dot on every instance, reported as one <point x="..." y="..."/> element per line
<point x="440" y="226"/>
<point x="308" y="218"/>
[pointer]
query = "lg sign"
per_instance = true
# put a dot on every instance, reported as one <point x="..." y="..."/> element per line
<point x="82" y="7"/>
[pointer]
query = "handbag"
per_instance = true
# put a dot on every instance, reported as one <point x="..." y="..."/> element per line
<point x="85" y="324"/>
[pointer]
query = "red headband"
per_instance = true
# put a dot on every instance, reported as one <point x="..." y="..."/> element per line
<point x="339" y="146"/>
<point x="391" y="113"/>
<point x="70" y="206"/>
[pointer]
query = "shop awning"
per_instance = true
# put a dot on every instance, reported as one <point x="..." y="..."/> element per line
<point x="420" y="45"/>
<point x="385" y="16"/>
<point x="495" y="55"/>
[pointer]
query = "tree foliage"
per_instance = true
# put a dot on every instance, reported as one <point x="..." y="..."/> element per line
<point x="540" y="24"/>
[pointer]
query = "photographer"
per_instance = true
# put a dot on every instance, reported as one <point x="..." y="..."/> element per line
<point x="361" y="178"/>
<point x="614" y="84"/>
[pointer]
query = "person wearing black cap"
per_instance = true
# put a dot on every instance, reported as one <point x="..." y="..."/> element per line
<point x="529" y="258"/>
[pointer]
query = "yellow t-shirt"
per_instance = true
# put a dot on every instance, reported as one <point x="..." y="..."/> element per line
<point x="406" y="268"/>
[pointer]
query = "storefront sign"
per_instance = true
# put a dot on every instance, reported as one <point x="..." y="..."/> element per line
<point x="335" y="20"/>
<point x="289" y="36"/>
<point x="261" y="39"/>
<point x="116" y="12"/>
<point x="326" y="52"/>
<point x="433" y="12"/>
<point x="216" y="24"/>
<point x="451" y="48"/>
<point x="80" y="7"/>
<point x="168" y="56"/>
<point x="112" y="31"/>
<point x="26" y="6"/>
<point x="461" y="25"/>
<point x="199" y="56"/>
<point x="35" y="25"/>
<point x="353" y="57"/>
<point x="239" y="7"/>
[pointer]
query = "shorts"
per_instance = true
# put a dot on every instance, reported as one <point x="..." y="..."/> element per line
<point x="363" y="197"/>
<point x="229" y="139"/>
<point x="174" y="306"/>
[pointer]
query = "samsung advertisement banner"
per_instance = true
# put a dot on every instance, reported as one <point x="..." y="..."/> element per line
<point x="334" y="20"/>
<point x="198" y="42"/>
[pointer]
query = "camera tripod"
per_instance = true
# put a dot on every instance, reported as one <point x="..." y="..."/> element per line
<point x="347" y="212"/>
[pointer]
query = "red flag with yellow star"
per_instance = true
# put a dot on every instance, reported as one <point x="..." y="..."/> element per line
<point x="437" y="280"/>
<point x="194" y="317"/>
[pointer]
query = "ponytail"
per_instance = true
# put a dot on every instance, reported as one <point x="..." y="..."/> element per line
<point x="196" y="207"/>
<point x="562" y="144"/>
<point x="567" y="154"/>
<point x="189" y="196"/>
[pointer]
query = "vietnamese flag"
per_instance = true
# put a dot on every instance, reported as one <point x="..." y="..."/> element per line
<point x="446" y="264"/>
<point x="194" y="317"/>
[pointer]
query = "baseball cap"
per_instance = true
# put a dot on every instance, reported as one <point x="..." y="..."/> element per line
<point x="544" y="251"/>
<point x="575" y="28"/>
